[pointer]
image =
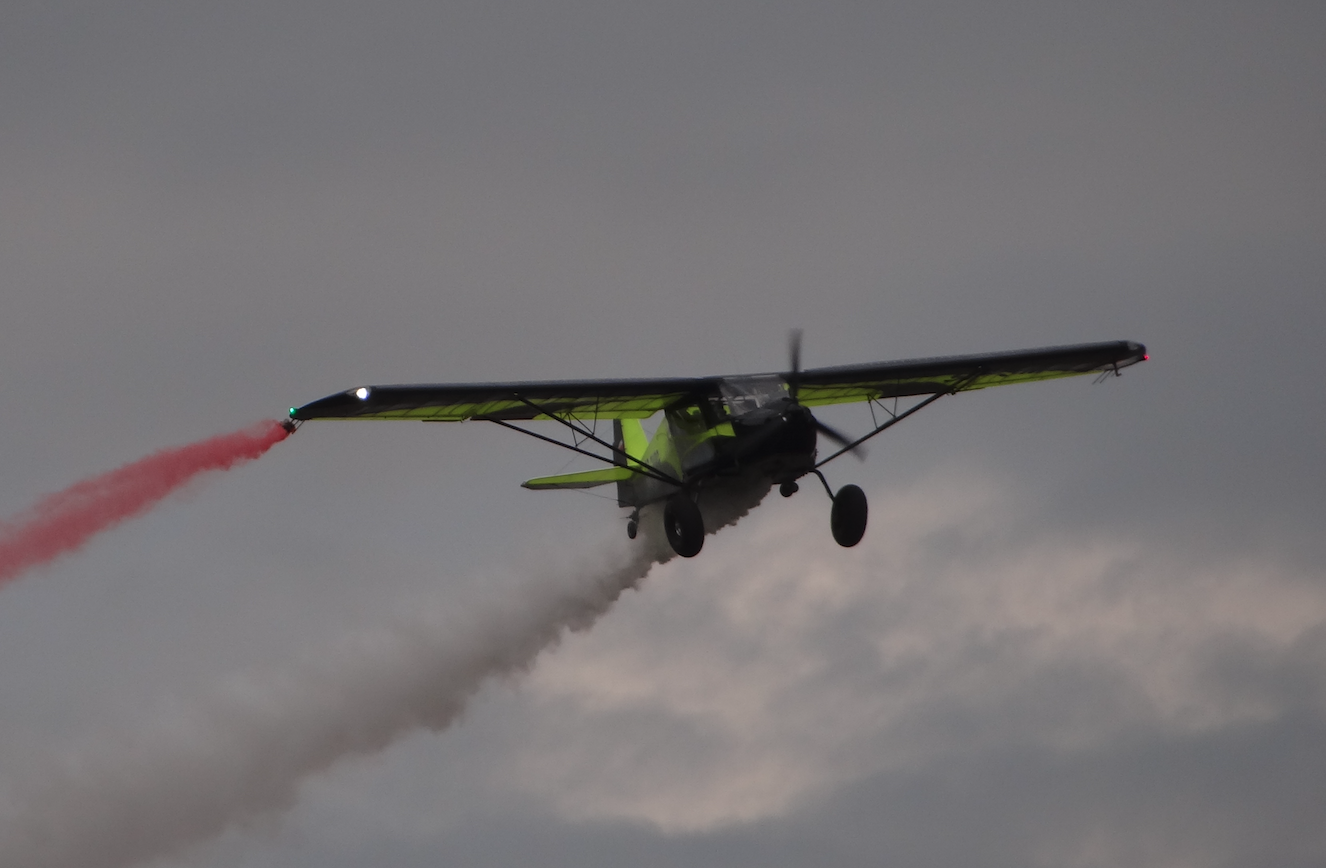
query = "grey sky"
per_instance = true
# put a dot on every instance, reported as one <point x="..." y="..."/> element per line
<point x="207" y="215"/>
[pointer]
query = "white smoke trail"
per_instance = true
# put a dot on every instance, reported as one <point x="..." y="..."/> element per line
<point x="241" y="752"/>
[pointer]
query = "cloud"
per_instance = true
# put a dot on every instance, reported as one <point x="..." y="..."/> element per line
<point x="778" y="668"/>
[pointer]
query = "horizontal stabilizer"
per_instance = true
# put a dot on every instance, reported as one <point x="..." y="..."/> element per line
<point x="587" y="479"/>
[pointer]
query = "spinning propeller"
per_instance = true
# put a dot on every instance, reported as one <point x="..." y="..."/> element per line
<point x="794" y="386"/>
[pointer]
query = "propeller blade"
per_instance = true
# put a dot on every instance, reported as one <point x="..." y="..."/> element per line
<point x="794" y="358"/>
<point x="858" y="451"/>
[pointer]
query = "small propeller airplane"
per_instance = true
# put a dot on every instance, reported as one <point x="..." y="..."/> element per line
<point x="744" y="432"/>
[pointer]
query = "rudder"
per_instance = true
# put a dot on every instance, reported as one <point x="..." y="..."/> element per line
<point x="628" y="436"/>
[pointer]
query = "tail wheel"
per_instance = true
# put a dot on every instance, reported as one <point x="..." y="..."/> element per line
<point x="848" y="518"/>
<point x="684" y="525"/>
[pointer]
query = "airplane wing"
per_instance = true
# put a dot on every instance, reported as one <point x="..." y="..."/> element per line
<point x="639" y="399"/>
<point x="584" y="399"/>
<point x="909" y="377"/>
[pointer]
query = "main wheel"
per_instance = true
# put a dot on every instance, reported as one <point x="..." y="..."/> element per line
<point x="684" y="525"/>
<point x="848" y="518"/>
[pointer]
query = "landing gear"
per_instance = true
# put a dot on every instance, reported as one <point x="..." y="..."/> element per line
<point x="848" y="517"/>
<point x="684" y="525"/>
<point x="632" y="527"/>
<point x="789" y="488"/>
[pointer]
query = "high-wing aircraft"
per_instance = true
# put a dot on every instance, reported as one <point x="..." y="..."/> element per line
<point x="747" y="431"/>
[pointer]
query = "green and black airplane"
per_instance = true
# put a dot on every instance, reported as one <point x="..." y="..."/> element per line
<point x="744" y="432"/>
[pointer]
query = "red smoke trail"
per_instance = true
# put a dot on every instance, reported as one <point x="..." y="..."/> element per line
<point x="63" y="522"/>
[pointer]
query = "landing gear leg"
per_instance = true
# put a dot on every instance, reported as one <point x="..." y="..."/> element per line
<point x="684" y="525"/>
<point x="848" y="517"/>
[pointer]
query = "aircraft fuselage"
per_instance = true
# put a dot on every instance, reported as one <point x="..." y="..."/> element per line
<point x="703" y="445"/>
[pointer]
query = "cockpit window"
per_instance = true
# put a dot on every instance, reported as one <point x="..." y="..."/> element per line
<point x="690" y="417"/>
<point x="743" y="394"/>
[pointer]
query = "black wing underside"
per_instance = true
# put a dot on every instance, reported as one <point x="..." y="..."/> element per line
<point x="638" y="399"/>
<point x="914" y="377"/>
<point x="584" y="399"/>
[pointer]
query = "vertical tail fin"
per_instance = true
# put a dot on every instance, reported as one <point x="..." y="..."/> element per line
<point x="628" y="435"/>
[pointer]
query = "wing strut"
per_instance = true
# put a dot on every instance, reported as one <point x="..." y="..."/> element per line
<point x="646" y="471"/>
<point x="957" y="387"/>
<point x="661" y="475"/>
<point x="635" y="464"/>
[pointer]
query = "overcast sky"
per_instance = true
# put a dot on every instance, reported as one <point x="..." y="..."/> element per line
<point x="1087" y="625"/>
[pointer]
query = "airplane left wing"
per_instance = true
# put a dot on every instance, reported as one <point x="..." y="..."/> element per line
<point x="583" y="399"/>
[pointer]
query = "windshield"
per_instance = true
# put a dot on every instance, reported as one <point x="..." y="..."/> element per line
<point x="743" y="394"/>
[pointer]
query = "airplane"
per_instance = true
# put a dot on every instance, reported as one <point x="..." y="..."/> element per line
<point x="743" y="433"/>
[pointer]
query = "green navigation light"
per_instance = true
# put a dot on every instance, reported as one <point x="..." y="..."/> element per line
<point x="293" y="411"/>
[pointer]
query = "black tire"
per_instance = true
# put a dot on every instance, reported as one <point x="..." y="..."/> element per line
<point x="632" y="528"/>
<point x="684" y="525"/>
<point x="848" y="518"/>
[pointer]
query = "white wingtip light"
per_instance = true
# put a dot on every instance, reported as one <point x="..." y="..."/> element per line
<point x="362" y="393"/>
